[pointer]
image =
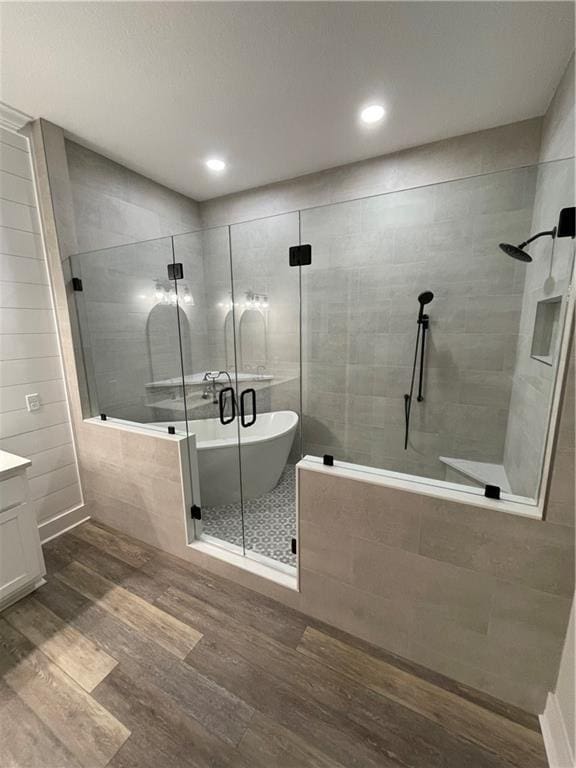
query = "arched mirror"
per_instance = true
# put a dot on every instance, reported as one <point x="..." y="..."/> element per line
<point x="162" y="339"/>
<point x="252" y="337"/>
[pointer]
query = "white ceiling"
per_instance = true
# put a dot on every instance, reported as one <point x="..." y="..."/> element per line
<point x="274" y="88"/>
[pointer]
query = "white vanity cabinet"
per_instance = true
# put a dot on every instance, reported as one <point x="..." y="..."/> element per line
<point x="21" y="561"/>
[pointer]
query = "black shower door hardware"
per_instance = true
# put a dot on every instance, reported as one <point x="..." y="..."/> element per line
<point x="175" y="271"/>
<point x="77" y="284"/>
<point x="222" y="399"/>
<point x="243" y="420"/>
<point x="300" y="255"/>
<point x="492" y="491"/>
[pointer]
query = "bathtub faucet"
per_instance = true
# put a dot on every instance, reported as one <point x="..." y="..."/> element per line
<point x="211" y="384"/>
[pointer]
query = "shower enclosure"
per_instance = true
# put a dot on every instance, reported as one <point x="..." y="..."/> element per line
<point x="227" y="334"/>
<point x="178" y="335"/>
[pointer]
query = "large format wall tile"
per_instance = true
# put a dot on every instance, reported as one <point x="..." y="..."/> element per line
<point x="530" y="552"/>
<point x="480" y="595"/>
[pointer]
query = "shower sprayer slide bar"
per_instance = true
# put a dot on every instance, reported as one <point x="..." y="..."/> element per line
<point x="423" y="325"/>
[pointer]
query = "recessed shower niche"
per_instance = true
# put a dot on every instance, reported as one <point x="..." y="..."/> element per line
<point x="546" y="329"/>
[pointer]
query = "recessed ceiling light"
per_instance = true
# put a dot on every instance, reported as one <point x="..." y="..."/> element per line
<point x="215" y="164"/>
<point x="372" y="114"/>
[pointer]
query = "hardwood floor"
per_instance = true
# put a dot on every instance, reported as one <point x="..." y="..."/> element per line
<point x="130" y="658"/>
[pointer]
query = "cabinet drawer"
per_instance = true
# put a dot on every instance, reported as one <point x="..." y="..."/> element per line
<point x="12" y="492"/>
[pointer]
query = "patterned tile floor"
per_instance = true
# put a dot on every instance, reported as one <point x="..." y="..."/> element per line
<point x="269" y="521"/>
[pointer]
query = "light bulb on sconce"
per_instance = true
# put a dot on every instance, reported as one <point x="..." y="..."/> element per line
<point x="160" y="292"/>
<point x="187" y="298"/>
<point x="256" y="300"/>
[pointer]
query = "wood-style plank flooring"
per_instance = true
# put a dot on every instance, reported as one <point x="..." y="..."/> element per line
<point x="130" y="658"/>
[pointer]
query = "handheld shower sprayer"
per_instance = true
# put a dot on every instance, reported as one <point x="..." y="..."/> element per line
<point x="424" y="298"/>
<point x="423" y="325"/>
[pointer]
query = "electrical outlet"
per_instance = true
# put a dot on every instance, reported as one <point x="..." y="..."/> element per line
<point x="33" y="402"/>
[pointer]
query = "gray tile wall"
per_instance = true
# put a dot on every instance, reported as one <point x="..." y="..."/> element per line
<point x="547" y="276"/>
<point x="371" y="259"/>
<point x="496" y="149"/>
<point x="128" y="339"/>
<point x="359" y="320"/>
<point x="114" y="205"/>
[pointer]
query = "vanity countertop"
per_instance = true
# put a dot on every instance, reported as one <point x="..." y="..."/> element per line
<point x="10" y="464"/>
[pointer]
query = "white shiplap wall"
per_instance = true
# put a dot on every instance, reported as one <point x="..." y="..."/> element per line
<point x="29" y="352"/>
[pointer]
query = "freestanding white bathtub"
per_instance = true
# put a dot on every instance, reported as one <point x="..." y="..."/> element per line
<point x="264" y="449"/>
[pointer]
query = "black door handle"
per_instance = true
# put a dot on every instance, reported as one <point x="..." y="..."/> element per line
<point x="222" y="405"/>
<point x="252" y="393"/>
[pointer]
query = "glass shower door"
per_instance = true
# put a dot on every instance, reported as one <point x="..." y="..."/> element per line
<point x="128" y="323"/>
<point x="208" y="382"/>
<point x="267" y="333"/>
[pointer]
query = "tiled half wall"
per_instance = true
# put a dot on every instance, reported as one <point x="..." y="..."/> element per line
<point x="479" y="595"/>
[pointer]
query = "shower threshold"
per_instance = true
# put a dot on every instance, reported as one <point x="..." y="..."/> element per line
<point x="259" y="565"/>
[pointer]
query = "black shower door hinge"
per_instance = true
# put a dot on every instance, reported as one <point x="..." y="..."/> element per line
<point x="492" y="491"/>
<point x="293" y="546"/>
<point x="175" y="271"/>
<point x="77" y="284"/>
<point x="300" y="255"/>
<point x="195" y="512"/>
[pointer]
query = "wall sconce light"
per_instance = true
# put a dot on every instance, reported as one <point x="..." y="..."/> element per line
<point x="160" y="292"/>
<point x="256" y="300"/>
<point x="187" y="297"/>
<point x="164" y="293"/>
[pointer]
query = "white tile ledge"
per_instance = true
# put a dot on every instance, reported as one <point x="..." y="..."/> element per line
<point x="132" y="426"/>
<point x="481" y="471"/>
<point x="439" y="489"/>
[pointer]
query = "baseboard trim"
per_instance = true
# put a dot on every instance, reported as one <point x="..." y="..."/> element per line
<point x="556" y="741"/>
<point x="62" y="523"/>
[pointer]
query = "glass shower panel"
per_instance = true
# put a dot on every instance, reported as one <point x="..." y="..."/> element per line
<point x="391" y="270"/>
<point x="127" y="314"/>
<point x="208" y="381"/>
<point x="267" y="314"/>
